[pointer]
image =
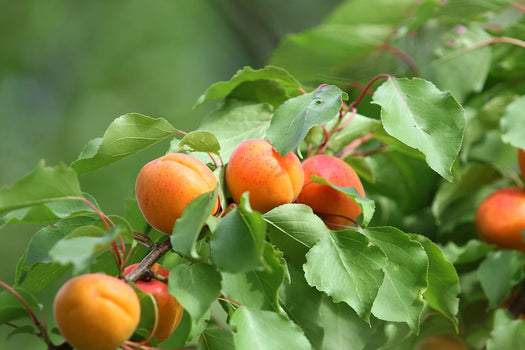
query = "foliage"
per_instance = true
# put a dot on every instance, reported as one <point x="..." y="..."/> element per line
<point x="439" y="132"/>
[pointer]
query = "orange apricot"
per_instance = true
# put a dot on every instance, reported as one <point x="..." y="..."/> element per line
<point x="170" y="311"/>
<point x="500" y="218"/>
<point x="166" y="185"/>
<point x="270" y="178"/>
<point x="96" y="311"/>
<point x="334" y="207"/>
<point x="441" y="342"/>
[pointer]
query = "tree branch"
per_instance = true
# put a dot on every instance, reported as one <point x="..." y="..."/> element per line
<point x="143" y="268"/>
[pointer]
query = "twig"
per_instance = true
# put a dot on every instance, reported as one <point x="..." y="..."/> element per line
<point x="143" y="268"/>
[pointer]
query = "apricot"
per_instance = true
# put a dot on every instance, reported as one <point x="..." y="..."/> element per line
<point x="270" y="178"/>
<point x="335" y="208"/>
<point x="521" y="162"/>
<point x="165" y="186"/>
<point x="96" y="311"/>
<point x="500" y="218"/>
<point x="170" y="311"/>
<point x="441" y="342"/>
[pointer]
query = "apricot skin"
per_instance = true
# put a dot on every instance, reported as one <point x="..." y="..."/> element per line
<point x="271" y="179"/>
<point x="334" y="207"/>
<point x="96" y="311"/>
<point x="166" y="185"/>
<point x="170" y="311"/>
<point x="500" y="218"/>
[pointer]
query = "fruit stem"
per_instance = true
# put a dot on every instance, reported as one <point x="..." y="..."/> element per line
<point x="370" y="83"/>
<point x="157" y="251"/>
<point x="352" y="146"/>
<point x="404" y="56"/>
<point x="229" y="300"/>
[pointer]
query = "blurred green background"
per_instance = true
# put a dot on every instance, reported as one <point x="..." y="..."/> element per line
<point x="68" y="68"/>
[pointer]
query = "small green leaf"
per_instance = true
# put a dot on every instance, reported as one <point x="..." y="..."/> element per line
<point x="499" y="272"/>
<point x="188" y="227"/>
<point x="247" y="74"/>
<point x="216" y="339"/>
<point x="257" y="289"/>
<point x="400" y="298"/>
<point x="296" y="116"/>
<point x="148" y="314"/>
<point x="237" y="244"/>
<point x="507" y="333"/>
<point x="126" y="135"/>
<point x="195" y="287"/>
<point x="418" y="114"/>
<point x="294" y="229"/>
<point x="257" y="329"/>
<point x="513" y="124"/>
<point x="42" y="185"/>
<point x="443" y="281"/>
<point x="347" y="267"/>
<point x="199" y="141"/>
<point x="474" y="250"/>
<point x="367" y="205"/>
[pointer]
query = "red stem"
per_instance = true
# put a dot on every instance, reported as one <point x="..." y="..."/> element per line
<point x="230" y="300"/>
<point x="404" y="56"/>
<point x="500" y="39"/>
<point x="353" y="145"/>
<point x="363" y="93"/>
<point x="354" y="111"/>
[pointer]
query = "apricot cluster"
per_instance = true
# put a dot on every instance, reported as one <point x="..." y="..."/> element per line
<point x="500" y="218"/>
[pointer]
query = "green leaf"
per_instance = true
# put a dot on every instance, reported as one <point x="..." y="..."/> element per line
<point x="237" y="121"/>
<point x="195" y="287"/>
<point x="365" y="11"/>
<point x="301" y="303"/>
<point x="148" y="314"/>
<point x="418" y="114"/>
<point x="188" y="227"/>
<point x="126" y="135"/>
<point x="35" y="278"/>
<point x="499" y="272"/>
<point x="296" y="116"/>
<point x="294" y="229"/>
<point x="11" y="308"/>
<point x="367" y="205"/>
<point x="470" y="180"/>
<point x="257" y="329"/>
<point x="358" y="126"/>
<point x="443" y="281"/>
<point x="199" y="141"/>
<point x="474" y="250"/>
<point x="400" y="298"/>
<point x="216" y="339"/>
<point x="507" y="333"/>
<point x="257" y="289"/>
<point x="513" y="124"/>
<point x="237" y="244"/>
<point x="80" y="247"/>
<point x="347" y="267"/>
<point x="342" y="327"/>
<point x="247" y="74"/>
<point x="42" y="185"/>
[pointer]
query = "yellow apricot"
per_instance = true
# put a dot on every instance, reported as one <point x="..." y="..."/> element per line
<point x="96" y="311"/>
<point x="166" y="185"/>
<point x="334" y="207"/>
<point x="270" y="178"/>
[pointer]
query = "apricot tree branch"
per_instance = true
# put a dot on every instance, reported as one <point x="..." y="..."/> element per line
<point x="143" y="268"/>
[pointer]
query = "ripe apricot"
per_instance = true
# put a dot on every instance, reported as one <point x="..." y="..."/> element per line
<point x="166" y="185"/>
<point x="96" y="311"/>
<point x="441" y="342"/>
<point x="521" y="162"/>
<point x="500" y="218"/>
<point x="334" y="207"/>
<point x="270" y="178"/>
<point x="170" y="311"/>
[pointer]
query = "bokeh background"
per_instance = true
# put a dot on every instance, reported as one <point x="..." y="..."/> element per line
<point x="68" y="68"/>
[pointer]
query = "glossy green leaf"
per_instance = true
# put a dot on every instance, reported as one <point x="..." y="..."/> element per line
<point x="367" y="205"/>
<point x="400" y="297"/>
<point x="247" y="74"/>
<point x="195" y="287"/>
<point x="257" y="329"/>
<point x="237" y="244"/>
<point x="126" y="135"/>
<point x="199" y="141"/>
<point x="296" y="116"/>
<point x="347" y="267"/>
<point x="257" y="289"/>
<point x="216" y="339"/>
<point x="188" y="227"/>
<point x="294" y="229"/>
<point x="499" y="272"/>
<point x="418" y="114"/>
<point x="443" y="281"/>
<point x="237" y="121"/>
<point x="513" y="124"/>
<point x="42" y="185"/>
